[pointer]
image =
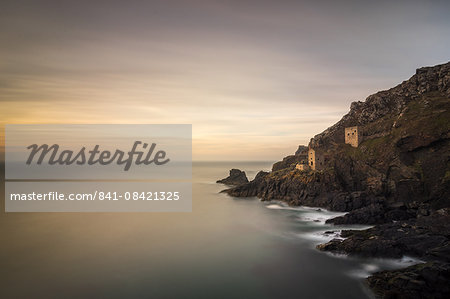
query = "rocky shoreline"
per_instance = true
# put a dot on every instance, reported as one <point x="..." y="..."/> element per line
<point x="397" y="179"/>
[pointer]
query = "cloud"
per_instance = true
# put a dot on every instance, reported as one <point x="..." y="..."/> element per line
<point x="255" y="78"/>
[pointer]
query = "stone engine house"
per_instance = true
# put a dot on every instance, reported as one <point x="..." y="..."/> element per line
<point x="316" y="160"/>
<point x="353" y="136"/>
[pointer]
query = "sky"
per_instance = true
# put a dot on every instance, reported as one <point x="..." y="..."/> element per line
<point x="254" y="78"/>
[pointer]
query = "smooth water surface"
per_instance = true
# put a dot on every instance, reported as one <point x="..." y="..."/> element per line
<point x="225" y="248"/>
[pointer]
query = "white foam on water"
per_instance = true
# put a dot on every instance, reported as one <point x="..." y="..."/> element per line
<point x="379" y="264"/>
<point x="316" y="217"/>
<point x="404" y="262"/>
<point x="282" y="206"/>
<point x="353" y="227"/>
<point x="307" y="214"/>
<point x="276" y="207"/>
<point x="319" y="215"/>
<point x="365" y="271"/>
<point x="320" y="237"/>
<point x="337" y="255"/>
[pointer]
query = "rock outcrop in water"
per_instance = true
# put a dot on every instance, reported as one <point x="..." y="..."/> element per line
<point x="236" y="178"/>
<point x="398" y="178"/>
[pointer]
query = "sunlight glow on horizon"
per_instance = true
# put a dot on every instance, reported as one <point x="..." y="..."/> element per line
<point x="254" y="78"/>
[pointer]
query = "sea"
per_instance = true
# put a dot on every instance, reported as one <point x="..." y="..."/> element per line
<point x="225" y="248"/>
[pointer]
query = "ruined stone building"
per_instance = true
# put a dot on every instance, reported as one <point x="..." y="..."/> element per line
<point x="352" y="136"/>
<point x="316" y="160"/>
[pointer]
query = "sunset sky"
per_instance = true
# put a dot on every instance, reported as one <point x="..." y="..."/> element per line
<point x="255" y="78"/>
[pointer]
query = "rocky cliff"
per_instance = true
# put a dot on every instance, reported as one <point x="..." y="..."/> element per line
<point x="402" y="164"/>
<point x="398" y="177"/>
<point x="392" y="102"/>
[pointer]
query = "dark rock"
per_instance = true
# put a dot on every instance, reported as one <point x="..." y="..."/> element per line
<point x="261" y="175"/>
<point x="330" y="246"/>
<point x="375" y="213"/>
<point x="371" y="214"/>
<point x="236" y="177"/>
<point x="429" y="280"/>
<point x="310" y="189"/>
<point x="288" y="162"/>
<point x="302" y="150"/>
<point x="426" y="237"/>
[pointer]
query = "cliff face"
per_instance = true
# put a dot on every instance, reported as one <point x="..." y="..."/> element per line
<point x="388" y="103"/>
<point x="397" y="178"/>
<point x="402" y="164"/>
